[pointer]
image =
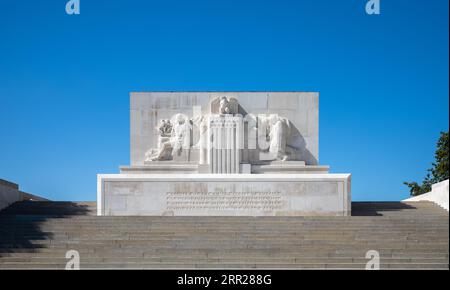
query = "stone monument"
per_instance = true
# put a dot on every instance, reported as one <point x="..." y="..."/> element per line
<point x="224" y="153"/>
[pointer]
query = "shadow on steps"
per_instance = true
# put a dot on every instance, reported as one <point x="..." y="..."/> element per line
<point x="379" y="208"/>
<point x="21" y="223"/>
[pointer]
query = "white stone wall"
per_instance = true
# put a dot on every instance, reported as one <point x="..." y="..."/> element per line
<point x="9" y="193"/>
<point x="227" y="194"/>
<point x="439" y="194"/>
<point x="147" y="108"/>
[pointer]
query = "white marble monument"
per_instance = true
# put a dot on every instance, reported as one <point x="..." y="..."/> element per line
<point x="224" y="153"/>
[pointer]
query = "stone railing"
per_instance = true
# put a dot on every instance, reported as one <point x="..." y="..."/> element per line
<point x="439" y="194"/>
<point x="9" y="193"/>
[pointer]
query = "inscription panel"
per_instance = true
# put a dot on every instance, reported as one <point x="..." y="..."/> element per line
<point x="257" y="200"/>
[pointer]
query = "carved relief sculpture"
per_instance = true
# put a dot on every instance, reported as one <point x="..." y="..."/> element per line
<point x="227" y="106"/>
<point x="279" y="131"/>
<point x="173" y="137"/>
<point x="220" y="130"/>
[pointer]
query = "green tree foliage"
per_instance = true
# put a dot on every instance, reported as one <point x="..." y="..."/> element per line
<point x="439" y="171"/>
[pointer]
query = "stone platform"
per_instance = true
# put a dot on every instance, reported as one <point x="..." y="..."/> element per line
<point x="224" y="194"/>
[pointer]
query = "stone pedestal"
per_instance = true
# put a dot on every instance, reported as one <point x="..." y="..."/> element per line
<point x="224" y="194"/>
<point x="224" y="153"/>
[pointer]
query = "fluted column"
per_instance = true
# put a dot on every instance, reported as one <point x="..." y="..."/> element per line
<point x="225" y="156"/>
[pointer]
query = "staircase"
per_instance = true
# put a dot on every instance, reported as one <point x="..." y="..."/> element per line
<point x="407" y="235"/>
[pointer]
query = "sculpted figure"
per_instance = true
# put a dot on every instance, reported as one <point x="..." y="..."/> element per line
<point x="278" y="133"/>
<point x="203" y="142"/>
<point x="165" y="128"/>
<point x="224" y="106"/>
<point x="173" y="138"/>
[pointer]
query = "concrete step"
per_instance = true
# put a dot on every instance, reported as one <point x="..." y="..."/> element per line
<point x="161" y="252"/>
<point x="407" y="236"/>
<point x="221" y="265"/>
<point x="188" y="260"/>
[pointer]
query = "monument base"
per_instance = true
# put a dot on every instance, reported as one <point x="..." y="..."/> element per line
<point x="224" y="194"/>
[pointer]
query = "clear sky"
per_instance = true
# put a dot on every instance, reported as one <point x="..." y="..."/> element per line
<point x="65" y="80"/>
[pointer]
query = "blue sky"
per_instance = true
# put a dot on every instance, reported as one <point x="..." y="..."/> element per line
<point x="65" y="80"/>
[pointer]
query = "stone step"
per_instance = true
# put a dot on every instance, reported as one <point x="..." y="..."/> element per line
<point x="430" y="215"/>
<point x="174" y="260"/>
<point x="225" y="239"/>
<point x="209" y="220"/>
<point x="38" y="234"/>
<point x="144" y="251"/>
<point x="44" y="215"/>
<point x="235" y="253"/>
<point x="186" y="228"/>
<point x="305" y="248"/>
<point x="221" y="265"/>
<point x="222" y="239"/>
<point x="189" y="219"/>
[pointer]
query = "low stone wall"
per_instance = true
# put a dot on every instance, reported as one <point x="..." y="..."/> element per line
<point x="9" y="193"/>
<point x="439" y="194"/>
<point x="224" y="195"/>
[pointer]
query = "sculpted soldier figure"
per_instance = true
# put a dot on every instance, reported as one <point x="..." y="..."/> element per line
<point x="224" y="106"/>
<point x="172" y="138"/>
<point x="278" y="133"/>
